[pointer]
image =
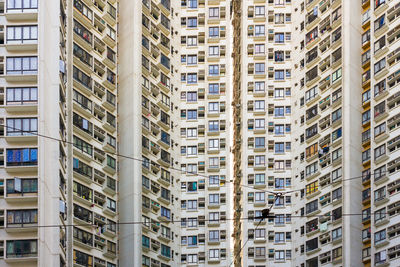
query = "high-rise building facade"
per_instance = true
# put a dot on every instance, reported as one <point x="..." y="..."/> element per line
<point x="265" y="135"/>
<point x="155" y="133"/>
<point x="204" y="133"/>
<point x="343" y="210"/>
<point x="59" y="80"/>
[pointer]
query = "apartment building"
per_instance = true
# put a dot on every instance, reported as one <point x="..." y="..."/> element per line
<point x="149" y="130"/>
<point x="134" y="102"/>
<point x="329" y="63"/>
<point x="328" y="123"/>
<point x="380" y="98"/>
<point x="204" y="133"/>
<point x="59" y="79"/>
<point x="265" y="135"/>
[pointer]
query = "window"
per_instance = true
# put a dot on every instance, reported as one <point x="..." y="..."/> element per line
<point x="279" y="255"/>
<point x="259" y="86"/>
<point x="213" y="235"/>
<point x="22" y="65"/>
<point x="192" y="114"/>
<point x="365" y="37"/>
<point x="213" y="31"/>
<point x="21" y="34"/>
<point x="192" y="41"/>
<point x="80" y="30"/>
<point x="379" y="22"/>
<point x="22" y="96"/>
<point x="279" y="237"/>
<point x="82" y="100"/>
<point x="165" y="251"/>
<point x="192" y="78"/>
<point x="83" y="191"/>
<point x="83" y="236"/>
<point x="21" y="186"/>
<point x="214" y="180"/>
<point x="336" y="75"/>
<point x="379" y="194"/>
<point x="165" y="212"/>
<point x="19" y="218"/>
<point x="379" y="151"/>
<point x="213" y="199"/>
<point x="22" y="157"/>
<point x="213" y="70"/>
<point x="337" y="233"/>
<point x="279" y="93"/>
<point x="337" y="253"/>
<point x="191" y="132"/>
<point x="259" y="197"/>
<point x="192" y="3"/>
<point x="380" y="215"/>
<point x="378" y="45"/>
<point x="260" y="178"/>
<point x="259" y="105"/>
<point x="213" y="51"/>
<point x="312" y="35"/>
<point x="260" y="160"/>
<point x="337" y="194"/>
<point x="82" y="78"/>
<point x="213" y="88"/>
<point x="366" y="155"/>
<point x="279" y="112"/>
<point x="380" y="257"/>
<point x="213" y="126"/>
<point x="213" y="162"/>
<point x="279" y="129"/>
<point x="259" y="30"/>
<point x="381" y="64"/>
<point x="279" y="147"/>
<point x="336" y="115"/>
<point x="337" y="154"/>
<point x="21" y="5"/>
<point x="213" y="144"/>
<point x="21" y="126"/>
<point x="213" y="254"/>
<point x="21" y="248"/>
<point x="192" y="22"/>
<point x="336" y="174"/>
<point x="312" y="206"/>
<point x="259" y="49"/>
<point x="213" y="12"/>
<point x="259" y="142"/>
<point x="279" y="38"/>
<point x="380" y="237"/>
<point x="312" y="188"/>
<point x="379" y="87"/>
<point x="312" y="244"/>
<point x="366" y="116"/>
<point x="260" y="124"/>
<point x="191" y="96"/>
<point x="259" y="68"/>
<point x="165" y="61"/>
<point x="192" y="258"/>
<point x="260" y="11"/>
<point x="366" y="97"/>
<point x="279" y="75"/>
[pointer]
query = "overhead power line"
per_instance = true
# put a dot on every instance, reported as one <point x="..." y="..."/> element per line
<point x="172" y="168"/>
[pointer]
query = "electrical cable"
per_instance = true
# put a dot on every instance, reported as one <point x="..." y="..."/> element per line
<point x="126" y="157"/>
<point x="176" y="169"/>
<point x="265" y="215"/>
